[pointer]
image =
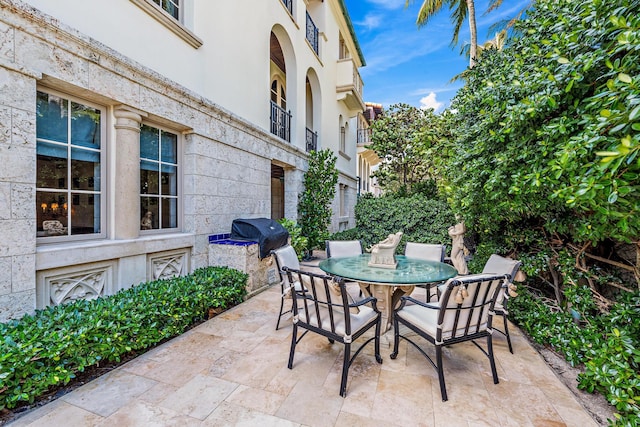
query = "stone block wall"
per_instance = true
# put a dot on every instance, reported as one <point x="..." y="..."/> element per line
<point x="243" y="256"/>
<point x="225" y="166"/>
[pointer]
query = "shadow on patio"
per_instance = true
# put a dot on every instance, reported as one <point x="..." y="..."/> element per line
<point x="232" y="370"/>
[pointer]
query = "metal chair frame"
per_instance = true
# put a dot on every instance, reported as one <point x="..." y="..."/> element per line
<point x="322" y="306"/>
<point x="429" y="252"/>
<point x="456" y="322"/>
<point x="281" y="256"/>
<point x="497" y="264"/>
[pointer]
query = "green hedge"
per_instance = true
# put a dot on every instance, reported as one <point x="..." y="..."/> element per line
<point x="420" y="219"/>
<point x="42" y="351"/>
<point x="606" y="345"/>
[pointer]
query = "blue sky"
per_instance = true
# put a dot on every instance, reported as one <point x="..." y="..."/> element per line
<point x="411" y="65"/>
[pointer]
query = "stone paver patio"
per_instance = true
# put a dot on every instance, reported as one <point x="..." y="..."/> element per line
<point x="232" y="371"/>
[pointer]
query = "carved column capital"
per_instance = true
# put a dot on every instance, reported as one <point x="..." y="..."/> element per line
<point x="126" y="118"/>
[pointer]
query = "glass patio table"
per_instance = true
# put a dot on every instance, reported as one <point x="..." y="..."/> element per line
<point x="387" y="284"/>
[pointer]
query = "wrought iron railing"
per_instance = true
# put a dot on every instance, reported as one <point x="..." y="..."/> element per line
<point x="312" y="34"/>
<point x="280" y="122"/>
<point x="364" y="136"/>
<point x="289" y="5"/>
<point x="312" y="140"/>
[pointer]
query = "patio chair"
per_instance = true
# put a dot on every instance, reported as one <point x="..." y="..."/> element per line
<point x="323" y="307"/>
<point x="285" y="257"/>
<point x="464" y="312"/>
<point x="500" y="265"/>
<point x="429" y="252"/>
<point x="344" y="248"/>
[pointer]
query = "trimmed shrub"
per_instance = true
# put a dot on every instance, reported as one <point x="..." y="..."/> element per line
<point x="421" y="220"/>
<point x="42" y="351"/>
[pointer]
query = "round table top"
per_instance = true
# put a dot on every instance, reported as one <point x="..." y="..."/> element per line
<point x="408" y="272"/>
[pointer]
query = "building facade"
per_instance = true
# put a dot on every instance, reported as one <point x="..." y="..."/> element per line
<point x="133" y="130"/>
<point x="368" y="159"/>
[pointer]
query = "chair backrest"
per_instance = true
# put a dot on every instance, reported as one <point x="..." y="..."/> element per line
<point x="466" y="305"/>
<point x="286" y="256"/>
<point x="322" y="301"/>
<point x="497" y="264"/>
<point x="426" y="251"/>
<point x="343" y="248"/>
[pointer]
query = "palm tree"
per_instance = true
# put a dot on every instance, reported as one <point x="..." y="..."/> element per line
<point x="497" y="42"/>
<point x="462" y="9"/>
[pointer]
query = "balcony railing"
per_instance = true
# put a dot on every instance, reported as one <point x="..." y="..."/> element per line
<point x="289" y="5"/>
<point x="349" y="84"/>
<point x="312" y="140"/>
<point x="364" y="136"/>
<point x="312" y="34"/>
<point x="280" y="122"/>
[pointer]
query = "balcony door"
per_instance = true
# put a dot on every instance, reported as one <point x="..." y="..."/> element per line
<point x="277" y="192"/>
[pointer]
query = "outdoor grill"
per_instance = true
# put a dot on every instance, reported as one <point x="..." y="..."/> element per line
<point x="268" y="233"/>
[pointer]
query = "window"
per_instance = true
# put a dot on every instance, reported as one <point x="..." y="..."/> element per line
<point x="343" y="51"/>
<point x="175" y="15"/>
<point x="342" y="194"/>
<point x="69" y="193"/>
<point x="278" y="95"/>
<point x="343" y="139"/>
<point x="172" y="7"/>
<point x="158" y="179"/>
<point x="280" y="119"/>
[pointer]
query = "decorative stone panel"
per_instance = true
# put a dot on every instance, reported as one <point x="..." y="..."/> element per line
<point x="61" y="286"/>
<point x="165" y="265"/>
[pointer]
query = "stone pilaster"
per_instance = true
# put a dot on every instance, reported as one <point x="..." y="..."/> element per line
<point x="127" y="174"/>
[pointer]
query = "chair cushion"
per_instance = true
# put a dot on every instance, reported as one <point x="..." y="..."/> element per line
<point x="358" y="321"/>
<point x="426" y="319"/>
<point x="344" y="248"/>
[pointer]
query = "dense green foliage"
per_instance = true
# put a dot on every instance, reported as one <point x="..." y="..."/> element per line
<point x="47" y="349"/>
<point x="298" y="241"/>
<point x="314" y="205"/>
<point x="404" y="137"/>
<point x="538" y="154"/>
<point x="607" y="345"/>
<point x="420" y="219"/>
<point x="547" y="130"/>
<point x="541" y="161"/>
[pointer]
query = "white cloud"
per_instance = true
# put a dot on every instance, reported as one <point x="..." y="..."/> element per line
<point x="370" y="21"/>
<point x="430" y="101"/>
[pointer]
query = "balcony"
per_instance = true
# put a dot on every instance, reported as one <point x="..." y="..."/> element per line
<point x="280" y="122"/>
<point x="289" y="5"/>
<point x="349" y="84"/>
<point x="312" y="34"/>
<point x="364" y="136"/>
<point x="312" y="140"/>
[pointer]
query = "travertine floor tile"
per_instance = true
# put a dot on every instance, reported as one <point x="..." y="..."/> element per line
<point x="232" y="371"/>
<point x="311" y="405"/>
<point x="107" y="394"/>
<point x="140" y="413"/>
<point x="229" y="414"/>
<point x="199" y="397"/>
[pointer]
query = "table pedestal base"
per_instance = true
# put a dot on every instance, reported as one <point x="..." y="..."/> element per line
<point x="388" y="297"/>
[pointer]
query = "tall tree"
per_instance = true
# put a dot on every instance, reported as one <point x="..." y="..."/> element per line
<point x="462" y="9"/>
<point x="314" y="204"/>
<point x="402" y="137"/>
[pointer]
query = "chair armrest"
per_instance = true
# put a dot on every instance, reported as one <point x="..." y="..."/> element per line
<point x="405" y="298"/>
<point x="372" y="300"/>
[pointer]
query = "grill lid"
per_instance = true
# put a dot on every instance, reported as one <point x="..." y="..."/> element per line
<point x="268" y="233"/>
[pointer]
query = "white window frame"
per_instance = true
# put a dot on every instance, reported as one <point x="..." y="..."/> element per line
<point x="177" y="26"/>
<point x="179" y="185"/>
<point x="103" y="174"/>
